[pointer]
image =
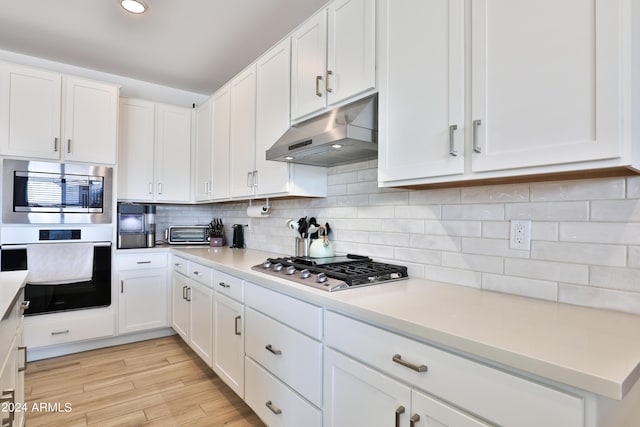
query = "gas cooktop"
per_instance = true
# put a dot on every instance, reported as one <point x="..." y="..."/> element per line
<point x="333" y="273"/>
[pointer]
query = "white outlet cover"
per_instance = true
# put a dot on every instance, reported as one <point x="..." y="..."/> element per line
<point x="520" y="235"/>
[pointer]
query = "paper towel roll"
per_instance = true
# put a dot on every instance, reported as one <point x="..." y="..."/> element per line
<point x="257" y="211"/>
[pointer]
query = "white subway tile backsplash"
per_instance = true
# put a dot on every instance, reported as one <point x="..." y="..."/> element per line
<point x="580" y="253"/>
<point x="541" y="289"/>
<point x="585" y="245"/>
<point x="548" y="211"/>
<point x="547" y="270"/>
<point x="608" y="188"/>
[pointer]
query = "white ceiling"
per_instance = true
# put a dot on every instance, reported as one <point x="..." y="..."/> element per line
<point x="193" y="45"/>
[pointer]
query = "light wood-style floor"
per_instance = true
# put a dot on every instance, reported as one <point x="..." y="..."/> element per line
<point x="159" y="382"/>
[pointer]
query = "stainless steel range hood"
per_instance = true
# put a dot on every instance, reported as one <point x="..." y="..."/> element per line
<point x="347" y="134"/>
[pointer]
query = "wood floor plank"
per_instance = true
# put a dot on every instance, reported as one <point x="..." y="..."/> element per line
<point x="158" y="382"/>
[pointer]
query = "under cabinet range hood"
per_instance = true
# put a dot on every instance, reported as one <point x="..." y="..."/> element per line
<point x="344" y="135"/>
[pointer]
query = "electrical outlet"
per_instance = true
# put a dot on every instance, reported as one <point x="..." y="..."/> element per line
<point x="520" y="235"/>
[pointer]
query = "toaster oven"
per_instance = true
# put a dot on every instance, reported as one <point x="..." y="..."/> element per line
<point x="187" y="235"/>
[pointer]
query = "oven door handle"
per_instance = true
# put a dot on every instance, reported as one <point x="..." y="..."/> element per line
<point x="12" y="246"/>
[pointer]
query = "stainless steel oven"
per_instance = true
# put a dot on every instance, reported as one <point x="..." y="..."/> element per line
<point x="69" y="268"/>
<point x="36" y="192"/>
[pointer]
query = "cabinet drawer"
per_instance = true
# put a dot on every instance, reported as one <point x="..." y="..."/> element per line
<point x="60" y="328"/>
<point x="180" y="265"/>
<point x="229" y="285"/>
<point x="302" y="316"/>
<point x="291" y="356"/>
<point x="201" y="274"/>
<point x="493" y="394"/>
<point x="275" y="403"/>
<point x="10" y="324"/>
<point x="142" y="260"/>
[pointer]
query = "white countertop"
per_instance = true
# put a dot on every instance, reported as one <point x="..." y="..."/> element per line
<point x="590" y="349"/>
<point x="10" y="283"/>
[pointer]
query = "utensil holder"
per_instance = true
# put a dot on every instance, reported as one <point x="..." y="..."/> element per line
<point x="302" y="246"/>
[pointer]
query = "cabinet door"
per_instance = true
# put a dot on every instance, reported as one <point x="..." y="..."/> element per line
<point x="142" y="300"/>
<point x="229" y="343"/>
<point x="180" y="305"/>
<point x="545" y="82"/>
<point x="200" y="299"/>
<point x="428" y="411"/>
<point x="355" y="395"/>
<point x="173" y="154"/>
<point x="272" y="116"/>
<point x="135" y="150"/>
<point x="90" y="121"/>
<point x="203" y="147"/>
<point x="351" y="49"/>
<point x="30" y="112"/>
<point x="221" y="104"/>
<point x="243" y="132"/>
<point x="309" y="66"/>
<point x="421" y="99"/>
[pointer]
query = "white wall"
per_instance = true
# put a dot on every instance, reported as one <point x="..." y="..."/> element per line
<point x="585" y="245"/>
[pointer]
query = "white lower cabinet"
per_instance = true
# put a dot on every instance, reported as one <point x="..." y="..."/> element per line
<point x="283" y="364"/>
<point x="13" y="363"/>
<point x="473" y="391"/>
<point x="143" y="292"/>
<point x="192" y="306"/>
<point x="228" y="360"/>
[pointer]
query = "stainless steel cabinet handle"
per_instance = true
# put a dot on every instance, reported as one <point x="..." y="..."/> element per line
<point x="272" y="408"/>
<point x="237" y="330"/>
<point x="452" y="146"/>
<point x="24" y="358"/>
<point x="318" y="93"/>
<point x="143" y="262"/>
<point x="25" y="305"/>
<point x="328" y="85"/>
<point x="159" y="188"/>
<point x="68" y="146"/>
<point x="413" y="420"/>
<point x="184" y="292"/>
<point x="151" y="188"/>
<point x="399" y="412"/>
<point x="8" y="396"/>
<point x="476" y="147"/>
<point x="418" y="368"/>
<point x="197" y="273"/>
<point x="122" y="286"/>
<point x="66" y="331"/>
<point x="55" y="144"/>
<point x="255" y="178"/>
<point x="272" y="350"/>
<point x="249" y="178"/>
<point x="224" y="285"/>
<point x="189" y="294"/>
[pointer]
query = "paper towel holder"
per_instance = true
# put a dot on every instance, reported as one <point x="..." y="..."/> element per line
<point x="261" y="211"/>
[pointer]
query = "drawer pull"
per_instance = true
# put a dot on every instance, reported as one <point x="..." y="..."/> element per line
<point x="237" y="330"/>
<point x="224" y="285"/>
<point x="25" y="305"/>
<point x="143" y="262"/>
<point x="413" y="420"/>
<point x="11" y="400"/>
<point x="399" y="412"/>
<point x="24" y="359"/>
<point x="197" y="273"/>
<point x="272" y="408"/>
<point x="66" y="331"/>
<point x="272" y="350"/>
<point x="398" y="359"/>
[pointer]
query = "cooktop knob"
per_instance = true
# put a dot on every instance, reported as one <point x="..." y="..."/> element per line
<point x="267" y="264"/>
<point x="321" y="278"/>
<point x="290" y="270"/>
<point x="305" y="274"/>
<point x="278" y="267"/>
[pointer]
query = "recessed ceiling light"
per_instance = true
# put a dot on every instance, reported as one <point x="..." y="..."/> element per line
<point x="288" y="158"/>
<point x="337" y="146"/>
<point x="133" y="6"/>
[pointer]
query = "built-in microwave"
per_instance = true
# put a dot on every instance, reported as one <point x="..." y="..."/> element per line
<point x="36" y="192"/>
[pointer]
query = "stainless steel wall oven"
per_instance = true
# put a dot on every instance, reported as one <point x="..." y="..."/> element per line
<point x="55" y="258"/>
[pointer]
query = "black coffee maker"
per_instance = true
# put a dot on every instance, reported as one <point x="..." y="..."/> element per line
<point x="238" y="236"/>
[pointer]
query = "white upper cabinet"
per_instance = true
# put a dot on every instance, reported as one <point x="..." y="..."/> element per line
<point x="243" y="133"/>
<point x="203" y="156"/>
<point x="421" y="101"/>
<point x="49" y="116"/>
<point x="333" y="56"/>
<point x="545" y="85"/>
<point x="154" y="152"/>
<point x="220" y="105"/>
